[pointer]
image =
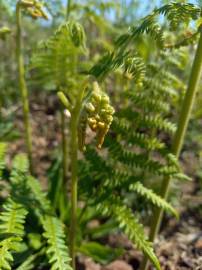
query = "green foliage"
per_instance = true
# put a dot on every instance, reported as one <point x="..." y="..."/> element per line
<point x="130" y="225"/>
<point x="27" y="197"/>
<point x="136" y="152"/>
<point x="12" y="226"/>
<point x="152" y="197"/>
<point x="136" y="149"/>
<point x="55" y="59"/>
<point x="56" y="250"/>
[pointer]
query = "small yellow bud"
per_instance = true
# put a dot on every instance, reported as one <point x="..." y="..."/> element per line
<point x="89" y="107"/>
<point x="101" y="125"/>
<point x="96" y="96"/>
<point x="92" y="121"/>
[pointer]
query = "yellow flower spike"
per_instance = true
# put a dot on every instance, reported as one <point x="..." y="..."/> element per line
<point x="99" y="116"/>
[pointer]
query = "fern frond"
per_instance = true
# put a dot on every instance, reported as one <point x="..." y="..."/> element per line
<point x="20" y="168"/>
<point x="130" y="62"/>
<point x="178" y="13"/>
<point x="134" y="160"/>
<point x="27" y="190"/>
<point x="56" y="250"/>
<point x="38" y="196"/>
<point x="129" y="223"/>
<point x="11" y="222"/>
<point x="145" y="141"/>
<point x="54" y="60"/>
<point x="152" y="197"/>
<point x="175" y="13"/>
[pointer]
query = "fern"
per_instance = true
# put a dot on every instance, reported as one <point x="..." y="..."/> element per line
<point x="130" y="225"/>
<point x="56" y="250"/>
<point x="173" y="12"/>
<point x="136" y="150"/>
<point x="12" y="223"/>
<point x="27" y="196"/>
<point x="54" y="59"/>
<point x="152" y="197"/>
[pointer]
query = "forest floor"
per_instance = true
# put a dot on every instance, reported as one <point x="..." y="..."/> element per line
<point x="179" y="246"/>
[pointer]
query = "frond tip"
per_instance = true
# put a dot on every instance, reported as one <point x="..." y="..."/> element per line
<point x="152" y="197"/>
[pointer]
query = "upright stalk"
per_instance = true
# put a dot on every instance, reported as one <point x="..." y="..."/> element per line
<point x="68" y="10"/>
<point x="179" y="137"/>
<point x="22" y="85"/>
<point x="75" y="113"/>
<point x="64" y="148"/>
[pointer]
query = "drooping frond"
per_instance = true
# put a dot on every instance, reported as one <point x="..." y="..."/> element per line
<point x="152" y="197"/>
<point x="11" y="225"/>
<point x="175" y="13"/>
<point x="129" y="223"/>
<point x="179" y="13"/>
<point x="56" y="250"/>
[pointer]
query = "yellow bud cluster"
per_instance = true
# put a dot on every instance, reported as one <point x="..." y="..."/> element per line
<point x="98" y="114"/>
<point x="34" y="9"/>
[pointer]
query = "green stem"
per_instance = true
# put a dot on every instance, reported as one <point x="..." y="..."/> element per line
<point x="69" y="4"/>
<point x="22" y="86"/>
<point x="64" y="148"/>
<point x="179" y="137"/>
<point x="75" y="113"/>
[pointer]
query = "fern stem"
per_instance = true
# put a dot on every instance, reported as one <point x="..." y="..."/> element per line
<point x="69" y="4"/>
<point x="74" y="177"/>
<point x="22" y="85"/>
<point x="64" y="148"/>
<point x="179" y="138"/>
